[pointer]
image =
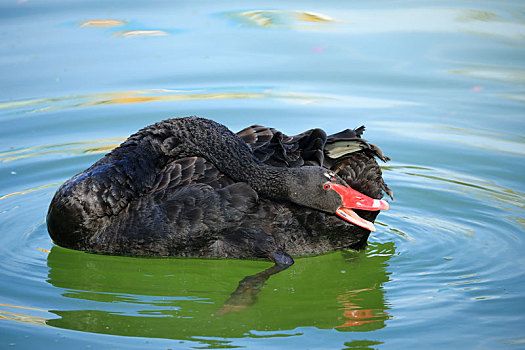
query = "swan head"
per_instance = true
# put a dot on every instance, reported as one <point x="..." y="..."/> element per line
<point x="322" y="189"/>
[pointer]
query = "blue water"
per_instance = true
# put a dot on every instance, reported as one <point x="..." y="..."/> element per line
<point x="439" y="86"/>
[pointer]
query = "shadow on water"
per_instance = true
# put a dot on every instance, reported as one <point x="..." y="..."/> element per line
<point x="170" y="298"/>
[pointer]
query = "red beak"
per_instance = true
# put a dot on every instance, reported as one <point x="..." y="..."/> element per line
<point x="356" y="200"/>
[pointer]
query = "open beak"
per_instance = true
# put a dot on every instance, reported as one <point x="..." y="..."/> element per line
<point x="356" y="200"/>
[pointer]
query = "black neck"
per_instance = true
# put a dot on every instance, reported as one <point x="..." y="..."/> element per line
<point x="192" y="136"/>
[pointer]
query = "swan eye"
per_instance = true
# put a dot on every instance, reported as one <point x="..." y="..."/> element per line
<point x="327" y="186"/>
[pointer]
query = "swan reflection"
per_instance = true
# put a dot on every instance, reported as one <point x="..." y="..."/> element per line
<point x="168" y="298"/>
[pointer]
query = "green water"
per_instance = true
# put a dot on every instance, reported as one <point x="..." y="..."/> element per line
<point x="439" y="85"/>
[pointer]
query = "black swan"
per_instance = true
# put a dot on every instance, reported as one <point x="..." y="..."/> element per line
<point x="190" y="187"/>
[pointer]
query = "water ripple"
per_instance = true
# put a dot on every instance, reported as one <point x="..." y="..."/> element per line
<point x="170" y="95"/>
<point x="458" y="252"/>
<point x="464" y="183"/>
<point x="78" y="147"/>
<point x="482" y="139"/>
<point x="29" y="190"/>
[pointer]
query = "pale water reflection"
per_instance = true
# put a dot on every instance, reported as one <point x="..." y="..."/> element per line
<point x="167" y="95"/>
<point x="510" y="25"/>
<point x="104" y="23"/>
<point x="438" y="86"/>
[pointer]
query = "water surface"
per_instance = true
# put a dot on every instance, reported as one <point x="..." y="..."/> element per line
<point x="438" y="85"/>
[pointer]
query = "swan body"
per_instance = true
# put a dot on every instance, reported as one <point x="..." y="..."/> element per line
<point x="191" y="187"/>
